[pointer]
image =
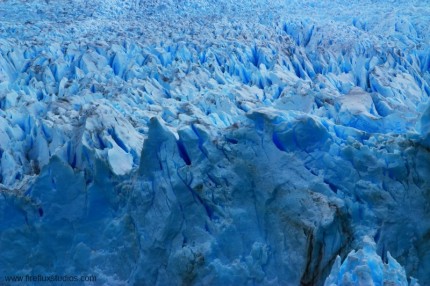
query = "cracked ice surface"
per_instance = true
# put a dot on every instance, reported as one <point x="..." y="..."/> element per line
<point x="221" y="143"/>
<point x="365" y="267"/>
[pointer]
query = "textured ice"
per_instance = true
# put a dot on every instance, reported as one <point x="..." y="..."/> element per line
<point x="365" y="267"/>
<point x="215" y="142"/>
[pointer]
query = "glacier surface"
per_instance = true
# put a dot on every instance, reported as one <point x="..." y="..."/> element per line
<point x="216" y="142"/>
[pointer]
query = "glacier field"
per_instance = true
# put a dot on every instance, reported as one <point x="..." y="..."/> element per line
<point x="216" y="142"/>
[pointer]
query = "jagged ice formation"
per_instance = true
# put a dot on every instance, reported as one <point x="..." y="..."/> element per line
<point x="215" y="142"/>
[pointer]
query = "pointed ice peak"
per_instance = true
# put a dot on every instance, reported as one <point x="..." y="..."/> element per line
<point x="365" y="267"/>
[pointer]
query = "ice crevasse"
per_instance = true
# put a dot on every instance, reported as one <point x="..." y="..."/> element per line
<point x="216" y="142"/>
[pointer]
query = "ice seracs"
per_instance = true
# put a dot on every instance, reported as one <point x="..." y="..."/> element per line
<point x="214" y="142"/>
<point x="365" y="267"/>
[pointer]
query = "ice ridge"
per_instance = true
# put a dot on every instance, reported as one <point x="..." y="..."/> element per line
<point x="216" y="143"/>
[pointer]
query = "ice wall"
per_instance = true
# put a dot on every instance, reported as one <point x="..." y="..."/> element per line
<point x="197" y="143"/>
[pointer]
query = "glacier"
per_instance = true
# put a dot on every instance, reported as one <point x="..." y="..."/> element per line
<point x="365" y="267"/>
<point x="216" y="142"/>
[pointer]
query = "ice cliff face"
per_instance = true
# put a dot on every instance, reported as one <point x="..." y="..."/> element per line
<point x="215" y="143"/>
